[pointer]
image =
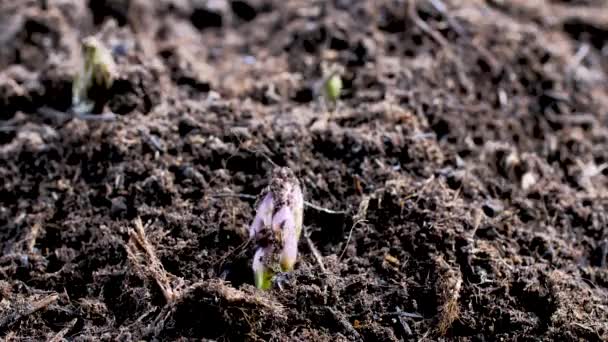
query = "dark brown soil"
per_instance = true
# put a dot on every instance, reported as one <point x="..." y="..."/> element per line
<point x="466" y="163"/>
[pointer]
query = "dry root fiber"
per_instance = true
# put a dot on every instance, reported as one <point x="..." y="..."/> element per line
<point x="448" y="292"/>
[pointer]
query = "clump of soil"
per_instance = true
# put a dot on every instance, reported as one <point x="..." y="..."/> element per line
<point x="464" y="169"/>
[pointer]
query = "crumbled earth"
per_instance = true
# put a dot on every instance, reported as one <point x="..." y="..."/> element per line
<point x="460" y="184"/>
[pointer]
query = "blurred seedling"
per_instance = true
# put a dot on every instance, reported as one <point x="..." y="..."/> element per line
<point x="277" y="227"/>
<point x="94" y="80"/>
<point x="332" y="86"/>
<point x="91" y="85"/>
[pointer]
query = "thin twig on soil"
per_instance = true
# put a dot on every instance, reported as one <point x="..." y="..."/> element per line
<point x="31" y="237"/>
<point x="241" y="248"/>
<point x="477" y="215"/>
<point x="315" y="252"/>
<point x="159" y="322"/>
<point x="154" y="267"/>
<point x="339" y="317"/>
<point x="359" y="218"/>
<point x="306" y="203"/>
<point x="59" y="336"/>
<point x="254" y="151"/>
<point x="443" y="9"/>
<point x="325" y="210"/>
<point x="243" y="196"/>
<point x="60" y="115"/>
<point x="413" y="14"/>
<point x="575" y="119"/>
<point x="405" y="326"/>
<point x="350" y="235"/>
<point x="151" y="140"/>
<point x="579" y="56"/>
<point x="405" y="314"/>
<point x="8" y="128"/>
<point x="27" y="310"/>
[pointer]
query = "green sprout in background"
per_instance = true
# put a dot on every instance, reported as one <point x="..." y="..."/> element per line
<point x="277" y="227"/>
<point x="332" y="84"/>
<point x="95" y="78"/>
<point x="333" y="88"/>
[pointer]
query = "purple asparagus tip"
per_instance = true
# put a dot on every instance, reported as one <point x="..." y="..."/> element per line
<point x="277" y="226"/>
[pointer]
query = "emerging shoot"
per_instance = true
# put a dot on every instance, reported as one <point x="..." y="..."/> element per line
<point x="276" y="227"/>
<point x="333" y="88"/>
<point x="95" y="78"/>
